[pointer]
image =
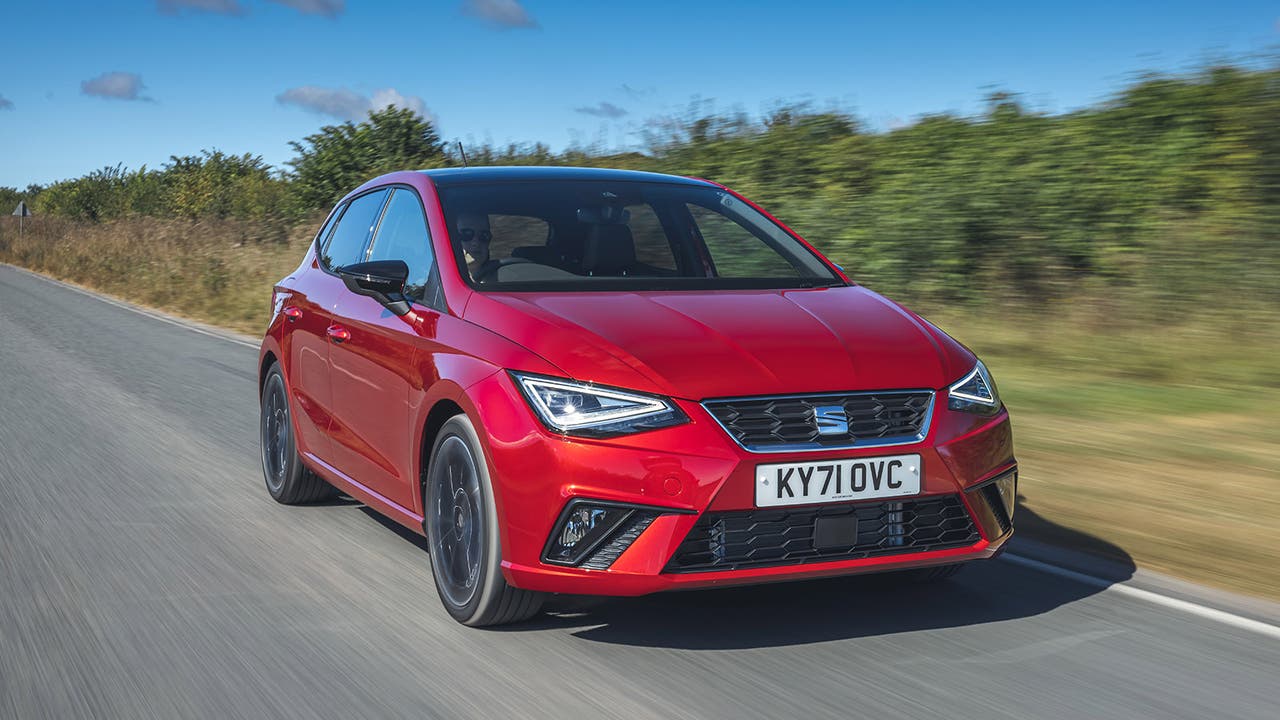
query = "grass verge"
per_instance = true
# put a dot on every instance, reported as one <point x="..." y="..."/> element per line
<point x="1160" y="440"/>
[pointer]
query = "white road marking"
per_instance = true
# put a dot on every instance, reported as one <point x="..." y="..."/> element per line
<point x="1186" y="606"/>
<point x="1203" y="611"/>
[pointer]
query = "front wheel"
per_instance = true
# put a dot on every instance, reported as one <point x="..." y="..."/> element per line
<point x="462" y="533"/>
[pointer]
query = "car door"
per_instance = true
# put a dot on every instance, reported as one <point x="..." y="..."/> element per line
<point x="314" y="295"/>
<point x="376" y="367"/>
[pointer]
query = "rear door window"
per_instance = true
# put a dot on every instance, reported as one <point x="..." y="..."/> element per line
<point x="346" y="245"/>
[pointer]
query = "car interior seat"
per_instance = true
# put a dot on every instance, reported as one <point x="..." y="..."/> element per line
<point x="610" y="250"/>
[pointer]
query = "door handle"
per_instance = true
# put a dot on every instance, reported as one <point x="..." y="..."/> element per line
<point x="338" y="334"/>
<point x="292" y="313"/>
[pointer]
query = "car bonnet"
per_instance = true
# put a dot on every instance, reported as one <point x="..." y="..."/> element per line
<point x="698" y="345"/>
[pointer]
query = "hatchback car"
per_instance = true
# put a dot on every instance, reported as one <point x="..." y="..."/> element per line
<point x="606" y="382"/>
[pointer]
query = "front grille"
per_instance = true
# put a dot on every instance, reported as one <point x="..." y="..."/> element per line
<point x="779" y="424"/>
<point x="760" y="538"/>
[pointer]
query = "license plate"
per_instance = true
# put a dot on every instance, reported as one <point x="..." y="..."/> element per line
<point x="809" y="483"/>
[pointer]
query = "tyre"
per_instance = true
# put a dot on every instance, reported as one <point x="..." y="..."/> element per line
<point x="288" y="481"/>
<point x="461" y="523"/>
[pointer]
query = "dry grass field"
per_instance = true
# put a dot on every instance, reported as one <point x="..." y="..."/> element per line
<point x="1160" y="439"/>
<point x="218" y="272"/>
<point x="1182" y="478"/>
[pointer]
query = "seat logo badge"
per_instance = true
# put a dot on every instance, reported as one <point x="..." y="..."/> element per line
<point x="831" y="419"/>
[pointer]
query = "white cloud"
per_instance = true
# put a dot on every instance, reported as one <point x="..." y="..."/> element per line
<point x="638" y="93"/>
<point x="328" y="8"/>
<point x="115" y="86"/>
<point x="218" y="7"/>
<point x="347" y="104"/>
<point x="603" y="110"/>
<point x="390" y="97"/>
<point x="505" y="14"/>
<point x="340" y="103"/>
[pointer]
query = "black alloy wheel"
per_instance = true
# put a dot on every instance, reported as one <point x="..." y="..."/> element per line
<point x="461" y="525"/>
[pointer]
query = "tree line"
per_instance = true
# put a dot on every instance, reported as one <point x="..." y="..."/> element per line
<point x="1170" y="188"/>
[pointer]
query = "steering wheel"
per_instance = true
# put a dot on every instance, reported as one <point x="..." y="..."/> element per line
<point x="487" y="270"/>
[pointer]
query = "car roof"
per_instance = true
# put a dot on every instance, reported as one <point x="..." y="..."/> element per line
<point x="459" y="176"/>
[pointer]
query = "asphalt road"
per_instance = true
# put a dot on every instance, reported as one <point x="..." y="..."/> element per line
<point x="144" y="572"/>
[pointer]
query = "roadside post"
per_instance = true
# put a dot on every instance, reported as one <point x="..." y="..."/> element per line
<point x="22" y="211"/>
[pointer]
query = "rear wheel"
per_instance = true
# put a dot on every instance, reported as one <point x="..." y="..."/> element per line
<point x="462" y="533"/>
<point x="288" y="481"/>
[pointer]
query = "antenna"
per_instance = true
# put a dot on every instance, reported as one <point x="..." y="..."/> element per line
<point x="462" y="152"/>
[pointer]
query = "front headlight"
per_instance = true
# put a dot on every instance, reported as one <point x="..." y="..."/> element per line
<point x="574" y="408"/>
<point x="975" y="392"/>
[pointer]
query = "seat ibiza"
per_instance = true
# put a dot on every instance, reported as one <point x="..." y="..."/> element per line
<point x="616" y="383"/>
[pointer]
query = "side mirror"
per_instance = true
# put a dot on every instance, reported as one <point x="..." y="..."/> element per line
<point x="382" y="280"/>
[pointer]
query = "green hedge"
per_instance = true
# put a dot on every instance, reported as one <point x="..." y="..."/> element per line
<point x="1168" y="193"/>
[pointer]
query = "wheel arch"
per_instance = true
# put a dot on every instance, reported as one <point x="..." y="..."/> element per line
<point x="446" y="399"/>
<point x="268" y="359"/>
<point x="439" y="414"/>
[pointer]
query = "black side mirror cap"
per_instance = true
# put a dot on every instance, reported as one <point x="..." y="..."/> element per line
<point x="382" y="280"/>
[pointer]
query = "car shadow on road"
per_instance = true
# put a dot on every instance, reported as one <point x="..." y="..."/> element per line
<point x="405" y="533"/>
<point x="835" y="609"/>
<point x="337" y="501"/>
<point x="798" y="613"/>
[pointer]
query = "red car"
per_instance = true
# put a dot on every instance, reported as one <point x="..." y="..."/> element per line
<point x="616" y="383"/>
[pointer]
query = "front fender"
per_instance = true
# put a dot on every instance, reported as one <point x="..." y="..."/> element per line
<point x="481" y="390"/>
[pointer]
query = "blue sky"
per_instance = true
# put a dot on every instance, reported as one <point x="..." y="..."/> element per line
<point x="87" y="84"/>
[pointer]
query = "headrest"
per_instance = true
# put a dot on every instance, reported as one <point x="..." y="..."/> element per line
<point x="604" y="215"/>
<point x="610" y="250"/>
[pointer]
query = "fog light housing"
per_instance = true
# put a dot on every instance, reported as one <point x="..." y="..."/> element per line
<point x="995" y="501"/>
<point x="583" y="527"/>
<point x="1007" y="487"/>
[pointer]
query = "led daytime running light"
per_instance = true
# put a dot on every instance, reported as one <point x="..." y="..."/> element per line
<point x="975" y="392"/>
<point x="982" y="389"/>
<point x="554" y="402"/>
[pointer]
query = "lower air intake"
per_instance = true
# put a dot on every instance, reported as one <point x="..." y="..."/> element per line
<point x="796" y="536"/>
<point x="603" y="558"/>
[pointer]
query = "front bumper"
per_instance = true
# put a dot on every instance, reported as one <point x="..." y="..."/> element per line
<point x="694" y="471"/>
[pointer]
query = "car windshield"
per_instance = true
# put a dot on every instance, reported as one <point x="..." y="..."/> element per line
<point x="620" y="235"/>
